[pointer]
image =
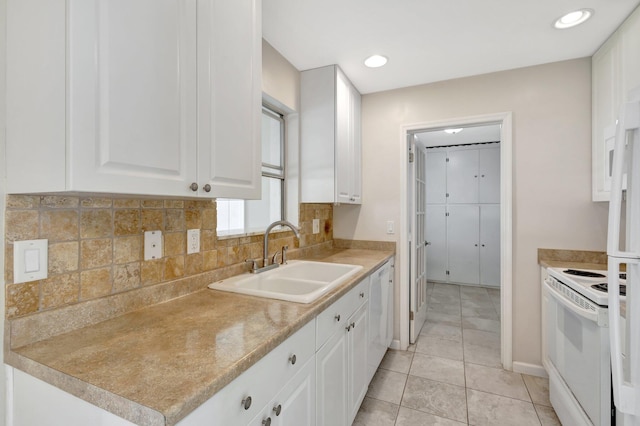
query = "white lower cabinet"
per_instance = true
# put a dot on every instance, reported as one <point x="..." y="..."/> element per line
<point x="251" y="394"/>
<point x="341" y="361"/>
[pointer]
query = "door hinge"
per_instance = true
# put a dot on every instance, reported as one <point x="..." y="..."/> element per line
<point x="447" y="195"/>
<point x="448" y="273"/>
<point x="411" y="316"/>
<point x="447" y="214"/>
<point x="447" y="159"/>
<point x="411" y="157"/>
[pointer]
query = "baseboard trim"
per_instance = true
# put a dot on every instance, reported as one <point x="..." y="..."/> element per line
<point x="530" y="369"/>
<point x="395" y="344"/>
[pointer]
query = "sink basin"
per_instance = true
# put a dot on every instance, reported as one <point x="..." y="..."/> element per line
<point x="298" y="281"/>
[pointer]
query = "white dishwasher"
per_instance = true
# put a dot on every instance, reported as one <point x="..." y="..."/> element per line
<point x="380" y="316"/>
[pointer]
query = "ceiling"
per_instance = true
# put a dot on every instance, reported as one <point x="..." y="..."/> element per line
<point x="468" y="135"/>
<point x="433" y="40"/>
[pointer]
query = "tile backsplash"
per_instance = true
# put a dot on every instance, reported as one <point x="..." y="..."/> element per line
<point x="96" y="245"/>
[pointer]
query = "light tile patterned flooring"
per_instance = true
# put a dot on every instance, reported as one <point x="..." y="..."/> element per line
<point x="452" y="375"/>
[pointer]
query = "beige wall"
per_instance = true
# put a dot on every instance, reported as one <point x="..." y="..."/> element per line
<point x="552" y="208"/>
<point x="280" y="79"/>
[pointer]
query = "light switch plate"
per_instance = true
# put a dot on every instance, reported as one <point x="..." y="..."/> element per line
<point x="316" y="226"/>
<point x="152" y="245"/>
<point x="193" y="241"/>
<point x="30" y="260"/>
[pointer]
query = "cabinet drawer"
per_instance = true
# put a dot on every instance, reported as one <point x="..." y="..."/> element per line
<point x="261" y="382"/>
<point x="336" y="315"/>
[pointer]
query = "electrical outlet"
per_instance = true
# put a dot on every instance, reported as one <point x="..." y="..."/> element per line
<point x="193" y="241"/>
<point x="152" y="245"/>
<point x="316" y="226"/>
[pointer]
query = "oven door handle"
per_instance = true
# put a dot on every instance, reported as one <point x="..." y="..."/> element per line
<point x="584" y="313"/>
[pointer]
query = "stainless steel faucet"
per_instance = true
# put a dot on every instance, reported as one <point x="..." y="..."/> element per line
<point x="265" y="257"/>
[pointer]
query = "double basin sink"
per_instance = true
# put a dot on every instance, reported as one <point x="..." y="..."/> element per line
<point x="298" y="281"/>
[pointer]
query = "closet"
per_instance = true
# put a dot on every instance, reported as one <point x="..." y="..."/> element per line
<point x="463" y="214"/>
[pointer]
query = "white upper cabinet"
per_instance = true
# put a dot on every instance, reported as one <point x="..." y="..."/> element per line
<point x="134" y="96"/>
<point x="331" y="151"/>
<point x="615" y="71"/>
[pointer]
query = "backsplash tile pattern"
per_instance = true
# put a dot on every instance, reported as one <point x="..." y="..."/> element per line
<point x="96" y="245"/>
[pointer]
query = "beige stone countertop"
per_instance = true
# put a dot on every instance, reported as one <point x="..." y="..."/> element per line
<point x="156" y="365"/>
<point x="573" y="265"/>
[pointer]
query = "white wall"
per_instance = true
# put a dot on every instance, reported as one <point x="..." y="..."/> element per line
<point x="551" y="107"/>
<point x="280" y="79"/>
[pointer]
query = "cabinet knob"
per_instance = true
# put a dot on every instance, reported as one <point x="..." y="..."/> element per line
<point x="427" y="243"/>
<point x="277" y="409"/>
<point x="194" y="187"/>
<point x="207" y="188"/>
<point x="292" y="359"/>
<point x="246" y="403"/>
<point x="476" y="245"/>
<point x="361" y="294"/>
<point x="348" y="328"/>
<point x="482" y="176"/>
<point x="475" y="176"/>
<point x="353" y="325"/>
<point x="337" y="317"/>
<point x="482" y="245"/>
<point x="267" y="421"/>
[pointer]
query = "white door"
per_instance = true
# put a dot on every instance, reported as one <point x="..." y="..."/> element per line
<point x="229" y="98"/>
<point x="490" y="245"/>
<point x="331" y="381"/>
<point x="418" y="293"/>
<point x="463" y="234"/>
<point x="462" y="176"/>
<point x="489" y="176"/>
<point x="436" y="176"/>
<point x="132" y="96"/>
<point x="436" y="237"/>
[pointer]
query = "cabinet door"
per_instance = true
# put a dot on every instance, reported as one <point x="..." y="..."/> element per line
<point x="436" y="233"/>
<point x="462" y="176"/>
<point x="132" y="96"/>
<point x="357" y="365"/>
<point x="356" y="147"/>
<point x="436" y="177"/>
<point x="343" y="141"/>
<point x="463" y="232"/>
<point x="229" y="98"/>
<point x="490" y="245"/>
<point x="331" y="381"/>
<point x="489" y="175"/>
<point x="630" y="58"/>
<point x="606" y="98"/>
<point x="295" y="404"/>
<point x="299" y="398"/>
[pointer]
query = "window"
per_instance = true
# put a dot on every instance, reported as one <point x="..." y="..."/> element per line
<point x="240" y="216"/>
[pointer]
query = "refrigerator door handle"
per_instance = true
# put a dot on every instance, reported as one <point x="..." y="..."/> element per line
<point x="626" y="393"/>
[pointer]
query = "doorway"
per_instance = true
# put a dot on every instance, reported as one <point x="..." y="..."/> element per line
<point x="410" y="211"/>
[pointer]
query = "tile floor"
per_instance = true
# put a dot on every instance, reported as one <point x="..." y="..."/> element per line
<point x="452" y="375"/>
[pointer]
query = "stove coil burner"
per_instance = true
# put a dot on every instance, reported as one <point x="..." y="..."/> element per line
<point x="580" y="273"/>
<point x="623" y="276"/>
<point x="604" y="287"/>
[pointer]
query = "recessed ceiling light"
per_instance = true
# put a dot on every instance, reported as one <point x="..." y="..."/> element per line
<point x="375" y="61"/>
<point x="452" y="131"/>
<point x="573" y="18"/>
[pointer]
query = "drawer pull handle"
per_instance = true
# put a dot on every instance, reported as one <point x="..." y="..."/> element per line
<point x="267" y="421"/>
<point x="277" y="409"/>
<point x="246" y="403"/>
<point x="293" y="359"/>
<point x="337" y="317"/>
<point x="362" y="294"/>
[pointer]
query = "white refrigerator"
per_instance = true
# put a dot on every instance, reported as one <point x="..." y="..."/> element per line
<point x="623" y="248"/>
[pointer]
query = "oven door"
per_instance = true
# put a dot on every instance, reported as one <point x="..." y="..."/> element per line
<point x="578" y="348"/>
